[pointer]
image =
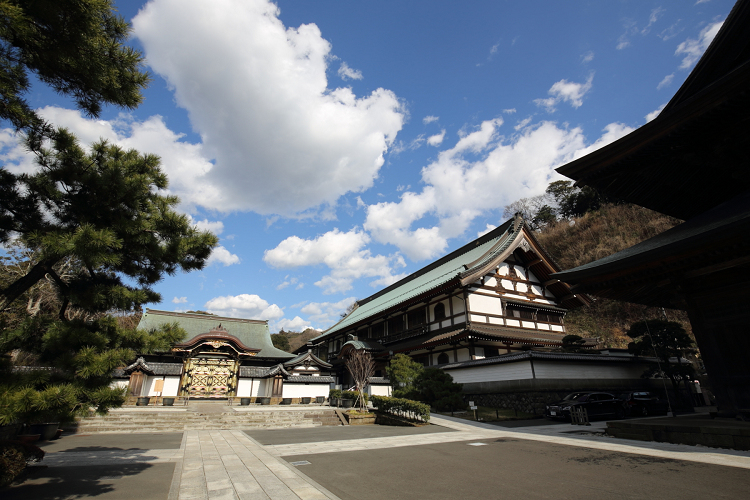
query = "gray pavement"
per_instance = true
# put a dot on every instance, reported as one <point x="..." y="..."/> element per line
<point x="338" y="433"/>
<point x="454" y="458"/>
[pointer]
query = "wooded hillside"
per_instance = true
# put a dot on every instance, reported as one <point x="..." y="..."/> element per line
<point x="596" y="234"/>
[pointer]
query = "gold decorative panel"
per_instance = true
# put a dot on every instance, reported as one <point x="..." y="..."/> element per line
<point x="210" y="378"/>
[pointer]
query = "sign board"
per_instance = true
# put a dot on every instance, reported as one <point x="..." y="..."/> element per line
<point x="473" y="407"/>
<point x="471" y="403"/>
<point x="158" y="386"/>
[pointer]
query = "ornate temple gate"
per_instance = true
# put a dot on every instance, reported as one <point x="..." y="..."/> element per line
<point x="205" y="377"/>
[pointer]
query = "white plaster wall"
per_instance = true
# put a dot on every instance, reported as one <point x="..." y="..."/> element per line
<point x="477" y="319"/>
<point x="562" y="370"/>
<point x="528" y="324"/>
<point x="379" y="390"/>
<point x="463" y="354"/>
<point x="458" y="305"/>
<point x="557" y="328"/>
<point x="512" y="322"/>
<point x="119" y="384"/>
<point x="171" y="386"/>
<point x="479" y="353"/>
<point x="490" y="281"/>
<point x="305" y="391"/>
<point x="250" y="387"/>
<point x="496" y="321"/>
<point x="491" y="373"/>
<point x="483" y="304"/>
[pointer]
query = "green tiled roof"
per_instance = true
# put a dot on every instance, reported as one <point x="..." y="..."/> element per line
<point x="440" y="272"/>
<point x="251" y="332"/>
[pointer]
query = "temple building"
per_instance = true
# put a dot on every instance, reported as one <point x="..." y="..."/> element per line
<point x="692" y="162"/>
<point x="223" y="358"/>
<point x="490" y="313"/>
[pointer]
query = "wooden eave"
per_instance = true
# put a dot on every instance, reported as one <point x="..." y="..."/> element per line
<point x="651" y="272"/>
<point x="205" y="338"/>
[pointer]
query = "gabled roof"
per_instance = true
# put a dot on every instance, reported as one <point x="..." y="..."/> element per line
<point x="252" y="333"/>
<point x="459" y="268"/>
<point x="307" y="359"/>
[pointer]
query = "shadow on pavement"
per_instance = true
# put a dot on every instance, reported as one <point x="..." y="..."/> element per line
<point x="105" y="482"/>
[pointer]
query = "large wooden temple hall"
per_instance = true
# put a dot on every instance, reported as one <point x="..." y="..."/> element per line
<point x="692" y="162"/>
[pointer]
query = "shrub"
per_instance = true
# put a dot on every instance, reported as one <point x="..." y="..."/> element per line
<point x="14" y="456"/>
<point x="437" y="388"/>
<point x="353" y="395"/>
<point x="334" y="394"/>
<point x="402" y="407"/>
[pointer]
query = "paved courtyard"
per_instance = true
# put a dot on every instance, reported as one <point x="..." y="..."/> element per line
<point x="452" y="459"/>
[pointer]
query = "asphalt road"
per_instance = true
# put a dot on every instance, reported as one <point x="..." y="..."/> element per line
<point x="515" y="468"/>
<point x="337" y="433"/>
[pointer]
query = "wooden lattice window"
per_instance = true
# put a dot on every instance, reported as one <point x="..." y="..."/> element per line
<point x="417" y="317"/>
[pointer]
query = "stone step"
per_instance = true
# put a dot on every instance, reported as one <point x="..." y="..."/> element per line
<point x="166" y="421"/>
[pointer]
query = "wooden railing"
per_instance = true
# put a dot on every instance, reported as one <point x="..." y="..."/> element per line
<point x="406" y="334"/>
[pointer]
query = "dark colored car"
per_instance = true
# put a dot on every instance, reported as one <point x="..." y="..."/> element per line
<point x="643" y="403"/>
<point x="597" y="405"/>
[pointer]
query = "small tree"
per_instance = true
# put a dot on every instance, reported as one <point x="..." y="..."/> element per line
<point x="669" y="341"/>
<point x="361" y="367"/>
<point x="437" y="388"/>
<point x="573" y="343"/>
<point x="402" y="371"/>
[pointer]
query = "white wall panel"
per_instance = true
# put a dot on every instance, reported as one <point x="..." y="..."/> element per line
<point x="305" y="391"/>
<point x="493" y="373"/>
<point x="484" y="304"/>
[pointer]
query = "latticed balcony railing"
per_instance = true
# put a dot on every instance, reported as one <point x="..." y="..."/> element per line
<point x="406" y="334"/>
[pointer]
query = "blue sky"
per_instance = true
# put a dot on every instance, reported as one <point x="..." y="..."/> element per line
<point x="336" y="146"/>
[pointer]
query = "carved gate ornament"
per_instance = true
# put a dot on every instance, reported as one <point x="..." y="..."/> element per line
<point x="210" y="378"/>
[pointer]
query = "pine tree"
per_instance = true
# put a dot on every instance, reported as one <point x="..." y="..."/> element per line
<point x="95" y="229"/>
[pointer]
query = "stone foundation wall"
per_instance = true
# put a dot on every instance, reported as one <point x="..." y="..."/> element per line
<point x="526" y="402"/>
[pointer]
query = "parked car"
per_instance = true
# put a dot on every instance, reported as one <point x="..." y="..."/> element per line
<point x="643" y="403"/>
<point x="597" y="405"/>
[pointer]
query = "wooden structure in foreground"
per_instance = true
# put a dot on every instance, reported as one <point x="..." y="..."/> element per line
<point x="691" y="162"/>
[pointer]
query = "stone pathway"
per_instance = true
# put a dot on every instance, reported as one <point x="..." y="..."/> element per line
<point x="228" y="464"/>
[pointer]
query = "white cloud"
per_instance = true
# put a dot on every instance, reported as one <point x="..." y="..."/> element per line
<point x="666" y="81"/>
<point x="437" y="139"/>
<point x="430" y="119"/>
<point x="179" y="300"/>
<point x="509" y="111"/>
<point x="587" y="57"/>
<point x="258" y="95"/>
<point x="347" y="73"/>
<point x="522" y="123"/>
<point x="693" y="49"/>
<point x="326" y="313"/>
<point x="654" y="113"/>
<point x="296" y="324"/>
<point x="244" y="306"/>
<point x="459" y="187"/>
<point x="343" y="253"/>
<point x="566" y="91"/>
<point x="221" y="255"/>
<point x="486" y="230"/>
<point x="215" y="227"/>
<point x="286" y="283"/>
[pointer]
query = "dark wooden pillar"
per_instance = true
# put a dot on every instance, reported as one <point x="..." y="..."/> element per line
<point x="719" y="308"/>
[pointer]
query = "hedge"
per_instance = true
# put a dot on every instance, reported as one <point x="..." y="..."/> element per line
<point x="402" y="407"/>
